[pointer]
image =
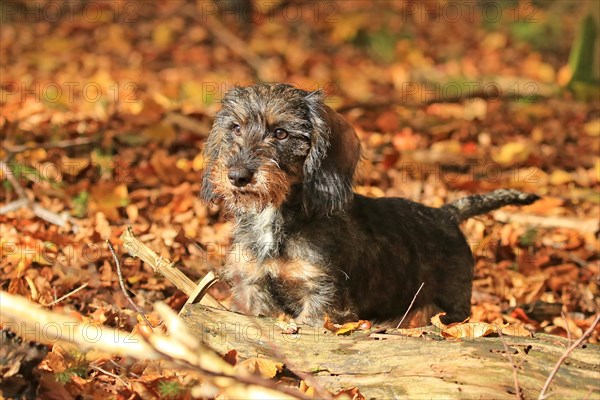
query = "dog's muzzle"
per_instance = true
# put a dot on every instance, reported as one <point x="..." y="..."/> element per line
<point x="240" y="176"/>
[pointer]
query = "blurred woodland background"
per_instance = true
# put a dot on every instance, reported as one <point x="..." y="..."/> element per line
<point x="105" y="106"/>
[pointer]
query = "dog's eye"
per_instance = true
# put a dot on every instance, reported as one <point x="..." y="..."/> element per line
<point x="237" y="130"/>
<point x="280" y="134"/>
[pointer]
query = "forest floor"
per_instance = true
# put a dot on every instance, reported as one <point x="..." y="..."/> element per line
<point x="105" y="111"/>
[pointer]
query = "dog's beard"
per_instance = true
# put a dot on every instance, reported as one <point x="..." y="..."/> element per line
<point x="269" y="187"/>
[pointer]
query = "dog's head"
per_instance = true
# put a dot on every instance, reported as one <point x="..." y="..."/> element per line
<point x="271" y="140"/>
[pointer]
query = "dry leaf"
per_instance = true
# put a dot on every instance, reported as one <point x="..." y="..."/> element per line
<point x="160" y="133"/>
<point x="515" y="330"/>
<point x="560" y="177"/>
<point x="512" y="153"/>
<point x="349" y="327"/>
<point x="592" y="128"/>
<point x="73" y="166"/>
<point x="108" y="197"/>
<point x="264" y="367"/>
<point x="231" y="357"/>
<point x="468" y="330"/>
<point x="288" y="328"/>
<point x="412" y="332"/>
<point x="435" y="320"/>
<point x="329" y="325"/>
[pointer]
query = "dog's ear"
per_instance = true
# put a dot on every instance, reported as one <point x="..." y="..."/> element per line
<point x="210" y="155"/>
<point x="330" y="165"/>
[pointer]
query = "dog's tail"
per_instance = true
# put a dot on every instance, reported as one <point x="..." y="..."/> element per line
<point x="478" y="204"/>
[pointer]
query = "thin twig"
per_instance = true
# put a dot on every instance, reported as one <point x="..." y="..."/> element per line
<point x="117" y="377"/>
<point x="499" y="93"/>
<point x="186" y="122"/>
<point x="72" y="292"/>
<point x="566" y="354"/>
<point x="320" y="391"/>
<point x="122" y="284"/>
<point x="164" y="267"/>
<point x="13" y="206"/>
<point x="567" y="327"/>
<point x="61" y="144"/>
<point x="518" y="391"/>
<point x="235" y="44"/>
<point x="24" y="201"/>
<point x="13" y="181"/>
<point x="578" y="224"/>
<point x="194" y="355"/>
<point x="47" y="215"/>
<point x="202" y="287"/>
<point x="410" y="305"/>
<point x="30" y="319"/>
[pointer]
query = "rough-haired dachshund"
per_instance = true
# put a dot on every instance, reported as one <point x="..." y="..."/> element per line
<point x="306" y="245"/>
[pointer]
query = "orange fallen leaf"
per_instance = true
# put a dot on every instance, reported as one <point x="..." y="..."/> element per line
<point x="519" y="313"/>
<point x="350" y="327"/>
<point x="592" y="128"/>
<point x="350" y="393"/>
<point x="435" y="320"/>
<point x="468" y="330"/>
<point x="107" y="197"/>
<point x="560" y="177"/>
<point x="512" y="153"/>
<point x="329" y="325"/>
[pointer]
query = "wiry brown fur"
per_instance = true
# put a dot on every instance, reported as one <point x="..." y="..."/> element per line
<point x="304" y="243"/>
<point x="271" y="186"/>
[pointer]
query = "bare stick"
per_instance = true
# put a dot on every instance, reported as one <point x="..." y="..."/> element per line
<point x="72" y="292"/>
<point x="29" y="320"/>
<point x="501" y="94"/>
<point x="186" y="122"/>
<point x="568" y="328"/>
<point x="577" y="224"/>
<point x="518" y="391"/>
<point x="117" y="377"/>
<point x="164" y="267"/>
<point x="122" y="284"/>
<point x="235" y="44"/>
<point x="24" y="201"/>
<point x="410" y="305"/>
<point x="47" y="215"/>
<point x="201" y="288"/>
<point x="566" y="354"/>
<point x="14" y="205"/>
<point x="61" y="144"/>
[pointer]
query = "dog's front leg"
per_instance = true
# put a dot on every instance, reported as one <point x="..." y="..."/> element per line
<point x="253" y="298"/>
<point x="316" y="303"/>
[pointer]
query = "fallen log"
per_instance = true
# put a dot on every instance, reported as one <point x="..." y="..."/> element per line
<point x="394" y="366"/>
<point x="390" y="365"/>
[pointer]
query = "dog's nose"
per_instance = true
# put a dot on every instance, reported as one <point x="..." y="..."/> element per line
<point x="240" y="176"/>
